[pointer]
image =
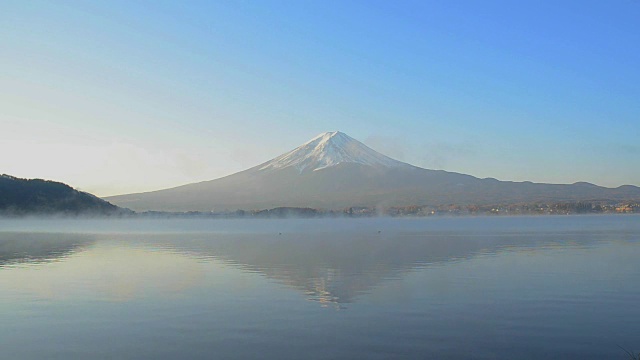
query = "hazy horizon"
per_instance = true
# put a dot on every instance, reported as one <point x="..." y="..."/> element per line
<point x="124" y="97"/>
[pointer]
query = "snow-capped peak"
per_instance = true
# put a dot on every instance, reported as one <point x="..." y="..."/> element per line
<point x="330" y="149"/>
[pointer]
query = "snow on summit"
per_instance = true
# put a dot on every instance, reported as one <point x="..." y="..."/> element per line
<point x="330" y="149"/>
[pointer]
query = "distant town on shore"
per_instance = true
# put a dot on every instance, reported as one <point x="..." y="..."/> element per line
<point x="566" y="208"/>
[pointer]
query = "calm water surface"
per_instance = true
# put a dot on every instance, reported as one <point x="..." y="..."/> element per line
<point x="447" y="288"/>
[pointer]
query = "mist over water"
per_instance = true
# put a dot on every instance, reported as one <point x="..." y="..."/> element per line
<point x="451" y="288"/>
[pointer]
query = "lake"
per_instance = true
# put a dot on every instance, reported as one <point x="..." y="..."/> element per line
<point x="439" y="288"/>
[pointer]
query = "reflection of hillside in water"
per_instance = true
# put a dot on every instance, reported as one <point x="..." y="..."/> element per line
<point x="337" y="268"/>
<point x="18" y="248"/>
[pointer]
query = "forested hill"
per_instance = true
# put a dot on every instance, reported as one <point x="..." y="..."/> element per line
<point x="20" y="197"/>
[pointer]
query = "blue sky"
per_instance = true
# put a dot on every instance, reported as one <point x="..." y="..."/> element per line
<point x="116" y="97"/>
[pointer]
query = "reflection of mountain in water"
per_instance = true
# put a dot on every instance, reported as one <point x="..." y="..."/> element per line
<point x="334" y="267"/>
<point x="16" y="248"/>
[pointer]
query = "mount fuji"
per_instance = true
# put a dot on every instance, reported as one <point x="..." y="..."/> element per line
<point x="333" y="171"/>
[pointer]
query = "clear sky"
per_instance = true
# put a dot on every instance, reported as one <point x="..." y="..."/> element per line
<point x="114" y="97"/>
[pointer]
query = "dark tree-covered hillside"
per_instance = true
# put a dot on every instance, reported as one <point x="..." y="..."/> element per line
<point x="36" y="196"/>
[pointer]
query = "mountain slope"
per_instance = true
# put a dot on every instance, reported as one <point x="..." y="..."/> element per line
<point x="334" y="171"/>
<point x="40" y="197"/>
